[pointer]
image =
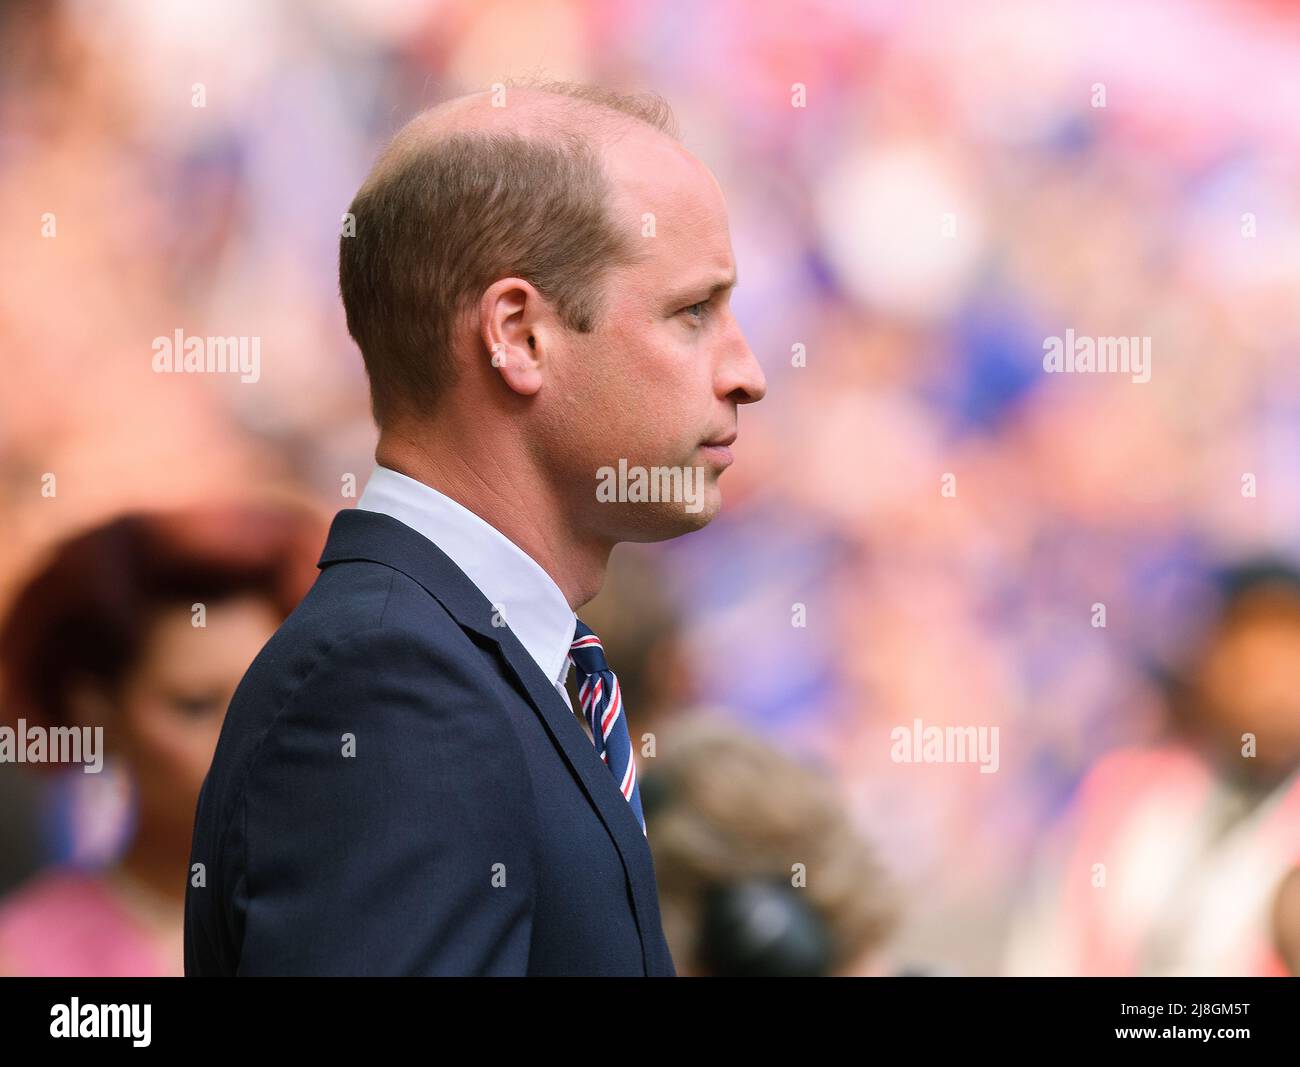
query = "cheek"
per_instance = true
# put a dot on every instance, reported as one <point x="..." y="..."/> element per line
<point x="638" y="393"/>
<point x="603" y="392"/>
<point x="172" y="745"/>
<point x="668" y="374"/>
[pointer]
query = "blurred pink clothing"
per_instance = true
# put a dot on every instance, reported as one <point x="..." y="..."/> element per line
<point x="75" y="924"/>
<point x="1167" y="870"/>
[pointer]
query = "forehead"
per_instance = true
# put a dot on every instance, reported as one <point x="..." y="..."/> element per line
<point x="651" y="174"/>
<point x="178" y="649"/>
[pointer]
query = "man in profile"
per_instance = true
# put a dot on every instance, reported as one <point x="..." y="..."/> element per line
<point x="538" y="282"/>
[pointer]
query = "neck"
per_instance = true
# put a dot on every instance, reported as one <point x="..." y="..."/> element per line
<point x="158" y="860"/>
<point x="501" y="488"/>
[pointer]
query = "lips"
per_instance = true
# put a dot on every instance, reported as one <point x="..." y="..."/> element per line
<point x="719" y="450"/>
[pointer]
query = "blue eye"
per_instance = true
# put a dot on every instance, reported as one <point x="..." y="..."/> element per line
<point x="703" y="305"/>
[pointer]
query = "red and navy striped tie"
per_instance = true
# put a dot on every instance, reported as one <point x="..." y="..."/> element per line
<point x="602" y="703"/>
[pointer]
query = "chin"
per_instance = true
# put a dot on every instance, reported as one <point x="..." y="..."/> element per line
<point x="662" y="522"/>
<point x="706" y="508"/>
<point x="700" y="519"/>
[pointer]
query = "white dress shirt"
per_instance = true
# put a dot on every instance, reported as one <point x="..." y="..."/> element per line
<point x="525" y="596"/>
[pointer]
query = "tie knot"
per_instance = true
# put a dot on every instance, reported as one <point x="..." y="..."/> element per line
<point x="586" y="651"/>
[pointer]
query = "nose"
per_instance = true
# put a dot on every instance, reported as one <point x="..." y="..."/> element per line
<point x="740" y="378"/>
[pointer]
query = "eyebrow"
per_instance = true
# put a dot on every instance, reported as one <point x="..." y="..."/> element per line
<point x="683" y="296"/>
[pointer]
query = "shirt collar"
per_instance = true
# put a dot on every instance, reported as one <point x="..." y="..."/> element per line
<point x="528" y="599"/>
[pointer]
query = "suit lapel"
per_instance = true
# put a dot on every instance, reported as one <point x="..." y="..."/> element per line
<point x="367" y="535"/>
<point x="599" y="785"/>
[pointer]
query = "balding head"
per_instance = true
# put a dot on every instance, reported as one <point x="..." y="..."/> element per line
<point x="512" y="181"/>
<point x="540" y="109"/>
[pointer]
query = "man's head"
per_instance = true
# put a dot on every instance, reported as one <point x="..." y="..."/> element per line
<point x="539" y="278"/>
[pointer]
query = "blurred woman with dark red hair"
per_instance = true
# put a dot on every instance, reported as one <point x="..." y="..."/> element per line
<point x="142" y="626"/>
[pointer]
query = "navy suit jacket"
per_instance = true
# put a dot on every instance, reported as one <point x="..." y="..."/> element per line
<point x="399" y="789"/>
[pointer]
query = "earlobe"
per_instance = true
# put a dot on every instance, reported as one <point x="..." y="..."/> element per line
<point x="520" y="369"/>
<point x="506" y="313"/>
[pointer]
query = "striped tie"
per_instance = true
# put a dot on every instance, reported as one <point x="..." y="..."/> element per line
<point x="602" y="703"/>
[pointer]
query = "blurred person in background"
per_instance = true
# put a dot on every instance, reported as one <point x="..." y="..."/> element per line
<point x="1176" y="857"/>
<point x="638" y="615"/>
<point x="761" y="872"/>
<point x="731" y="813"/>
<point x="1286" y="920"/>
<point x="108" y="633"/>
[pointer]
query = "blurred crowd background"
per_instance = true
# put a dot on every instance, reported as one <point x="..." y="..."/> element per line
<point x="955" y="183"/>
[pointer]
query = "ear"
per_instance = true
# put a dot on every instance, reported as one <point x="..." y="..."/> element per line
<point x="512" y="317"/>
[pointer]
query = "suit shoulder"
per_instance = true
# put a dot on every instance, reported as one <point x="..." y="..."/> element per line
<point x="365" y="634"/>
<point x="359" y="595"/>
